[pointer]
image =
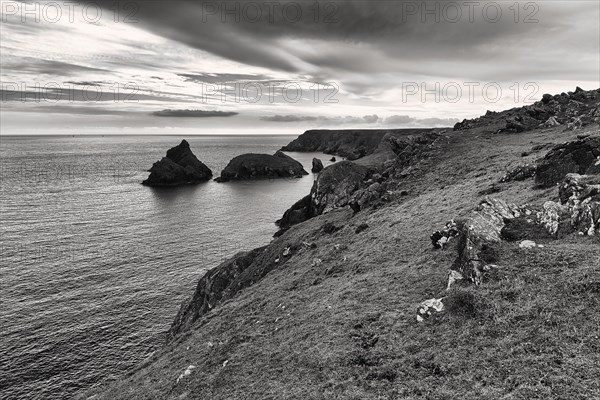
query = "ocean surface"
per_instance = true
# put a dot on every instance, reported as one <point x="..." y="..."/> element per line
<point x="94" y="266"/>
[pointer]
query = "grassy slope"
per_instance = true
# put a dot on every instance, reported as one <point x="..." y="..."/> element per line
<point x="346" y="329"/>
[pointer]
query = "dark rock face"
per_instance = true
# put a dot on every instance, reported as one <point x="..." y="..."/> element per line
<point x="218" y="284"/>
<point x="301" y="211"/>
<point x="519" y="173"/>
<point x="317" y="165"/>
<point x="335" y="187"/>
<point x="262" y="166"/>
<point x="179" y="167"/>
<point x="573" y="110"/>
<point x="352" y="144"/>
<point x="580" y="156"/>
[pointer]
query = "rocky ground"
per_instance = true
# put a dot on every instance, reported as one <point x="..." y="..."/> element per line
<point x="457" y="264"/>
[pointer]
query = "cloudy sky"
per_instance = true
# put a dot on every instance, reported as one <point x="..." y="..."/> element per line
<point x="284" y="66"/>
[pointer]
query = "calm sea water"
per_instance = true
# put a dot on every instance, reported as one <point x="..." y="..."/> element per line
<point x="94" y="265"/>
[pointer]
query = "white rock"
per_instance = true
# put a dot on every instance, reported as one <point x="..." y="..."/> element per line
<point x="426" y="307"/>
<point x="527" y="244"/>
<point x="187" y="372"/>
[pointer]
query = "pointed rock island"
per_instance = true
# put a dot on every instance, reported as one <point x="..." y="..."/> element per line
<point x="261" y="166"/>
<point x="179" y="167"/>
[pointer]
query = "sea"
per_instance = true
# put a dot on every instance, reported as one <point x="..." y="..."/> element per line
<point x="94" y="265"/>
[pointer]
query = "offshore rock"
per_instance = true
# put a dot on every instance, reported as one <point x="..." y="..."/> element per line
<point x="317" y="165"/>
<point x="262" y="166"/>
<point x="179" y="167"/>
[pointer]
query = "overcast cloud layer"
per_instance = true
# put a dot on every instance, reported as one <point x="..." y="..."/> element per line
<point x="343" y="63"/>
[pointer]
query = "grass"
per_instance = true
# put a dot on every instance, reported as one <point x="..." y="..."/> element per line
<point x="346" y="328"/>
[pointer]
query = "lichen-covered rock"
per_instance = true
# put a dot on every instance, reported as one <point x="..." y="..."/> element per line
<point x="580" y="156"/>
<point x="481" y="229"/>
<point x="519" y="173"/>
<point x="429" y="307"/>
<point x="179" y="167"/>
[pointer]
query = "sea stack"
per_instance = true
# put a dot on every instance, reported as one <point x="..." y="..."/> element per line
<point x="261" y="166"/>
<point x="179" y="167"/>
<point x="317" y="165"/>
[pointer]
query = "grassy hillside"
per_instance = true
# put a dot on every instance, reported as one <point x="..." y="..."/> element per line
<point x="338" y="321"/>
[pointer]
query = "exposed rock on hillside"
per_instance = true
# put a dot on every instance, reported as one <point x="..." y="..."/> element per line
<point x="575" y="110"/>
<point x="261" y="166"/>
<point x="179" y="167"/>
<point x="581" y="156"/>
<point x="358" y="184"/>
<point x="495" y="219"/>
<point x="334" y="188"/>
<point x="317" y="165"/>
<point x="218" y="284"/>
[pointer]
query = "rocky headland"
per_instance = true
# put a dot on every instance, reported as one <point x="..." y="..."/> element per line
<point x="261" y="166"/>
<point x="179" y="167"/>
<point x="440" y="264"/>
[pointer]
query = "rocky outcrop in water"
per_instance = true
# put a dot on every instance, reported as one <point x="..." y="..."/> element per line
<point x="580" y="156"/>
<point x="573" y="110"/>
<point x="262" y="166"/>
<point x="317" y="165"/>
<point x="179" y="167"/>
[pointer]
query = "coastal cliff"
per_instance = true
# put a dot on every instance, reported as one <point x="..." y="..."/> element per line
<point x="352" y="300"/>
<point x="351" y="144"/>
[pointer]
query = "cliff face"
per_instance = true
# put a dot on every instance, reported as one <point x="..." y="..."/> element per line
<point x="179" y="167"/>
<point x="352" y="144"/>
<point x="331" y="307"/>
<point x="262" y="166"/>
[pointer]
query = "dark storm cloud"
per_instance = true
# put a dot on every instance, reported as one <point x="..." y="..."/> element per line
<point x="407" y="120"/>
<point x="86" y="83"/>
<point x="367" y="119"/>
<point x="223" y="78"/>
<point x="395" y="31"/>
<point x="54" y="92"/>
<point x="47" y="67"/>
<point x="193" y="113"/>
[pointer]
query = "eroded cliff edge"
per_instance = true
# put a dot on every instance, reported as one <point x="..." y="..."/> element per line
<point x="331" y="305"/>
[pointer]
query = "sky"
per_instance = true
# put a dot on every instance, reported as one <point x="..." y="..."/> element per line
<point x="269" y="67"/>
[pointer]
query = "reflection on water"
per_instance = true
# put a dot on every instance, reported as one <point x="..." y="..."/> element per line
<point x="94" y="265"/>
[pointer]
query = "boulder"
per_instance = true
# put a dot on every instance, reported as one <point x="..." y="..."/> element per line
<point x="317" y="165"/>
<point x="333" y="159"/>
<point x="551" y="122"/>
<point x="519" y="173"/>
<point x="480" y="230"/>
<point x="581" y="156"/>
<point x="262" y="166"/>
<point x="179" y="167"/>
